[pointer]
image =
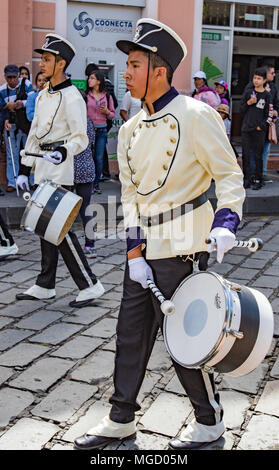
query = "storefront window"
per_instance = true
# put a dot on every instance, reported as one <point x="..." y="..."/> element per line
<point x="216" y="13"/>
<point x="253" y="16"/>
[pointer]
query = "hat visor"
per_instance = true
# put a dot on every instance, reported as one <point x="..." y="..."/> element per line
<point x="126" y="46"/>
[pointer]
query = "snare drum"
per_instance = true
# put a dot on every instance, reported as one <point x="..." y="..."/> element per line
<point x="218" y="326"/>
<point x="51" y="211"/>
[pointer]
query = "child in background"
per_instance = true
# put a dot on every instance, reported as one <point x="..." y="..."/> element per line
<point x="223" y="92"/>
<point x="224" y="112"/>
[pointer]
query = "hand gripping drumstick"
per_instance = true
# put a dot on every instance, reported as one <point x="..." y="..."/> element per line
<point x="167" y="306"/>
<point x="254" y="244"/>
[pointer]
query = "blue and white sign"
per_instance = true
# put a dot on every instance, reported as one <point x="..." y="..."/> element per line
<point x="84" y="24"/>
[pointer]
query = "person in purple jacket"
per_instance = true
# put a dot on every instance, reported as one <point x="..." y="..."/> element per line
<point x="223" y="92"/>
<point x="203" y="92"/>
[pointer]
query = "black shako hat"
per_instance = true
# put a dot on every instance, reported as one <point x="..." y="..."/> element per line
<point x="58" y="46"/>
<point x="154" y="36"/>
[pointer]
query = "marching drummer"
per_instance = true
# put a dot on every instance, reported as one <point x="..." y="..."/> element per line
<point x="58" y="132"/>
<point x="168" y="153"/>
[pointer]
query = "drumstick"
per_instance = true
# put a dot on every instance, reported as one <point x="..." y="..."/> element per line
<point x="167" y="306"/>
<point x="30" y="154"/>
<point x="38" y="155"/>
<point x="254" y="244"/>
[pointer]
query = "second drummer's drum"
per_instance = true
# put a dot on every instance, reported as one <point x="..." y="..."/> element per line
<point x="218" y="326"/>
<point x="51" y="211"/>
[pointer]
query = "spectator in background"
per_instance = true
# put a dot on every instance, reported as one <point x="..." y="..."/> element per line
<point x="84" y="175"/>
<point x="223" y="92"/>
<point x="274" y="110"/>
<point x="224" y="112"/>
<point x="10" y="104"/>
<point x="255" y="106"/>
<point x="91" y="67"/>
<point x="100" y="108"/>
<point x="270" y="87"/>
<point x="40" y="82"/>
<point x="130" y="106"/>
<point x="24" y="72"/>
<point x="203" y="92"/>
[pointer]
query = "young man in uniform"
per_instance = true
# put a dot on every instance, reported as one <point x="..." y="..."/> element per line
<point x="168" y="153"/>
<point x="58" y="132"/>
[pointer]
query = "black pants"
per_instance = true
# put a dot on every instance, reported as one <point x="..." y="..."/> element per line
<point x="6" y="238"/>
<point x="139" y="320"/>
<point x="74" y="259"/>
<point x="255" y="140"/>
<point x="106" y="171"/>
<point x="85" y="191"/>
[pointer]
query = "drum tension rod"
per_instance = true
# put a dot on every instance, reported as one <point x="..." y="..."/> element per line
<point x="235" y="333"/>
<point x="208" y="369"/>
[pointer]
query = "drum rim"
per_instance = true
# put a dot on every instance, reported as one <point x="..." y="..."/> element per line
<point x="226" y="324"/>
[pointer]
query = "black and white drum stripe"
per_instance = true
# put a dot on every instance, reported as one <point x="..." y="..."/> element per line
<point x="48" y="211"/>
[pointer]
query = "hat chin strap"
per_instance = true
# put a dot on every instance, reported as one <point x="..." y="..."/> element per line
<point x="147" y="79"/>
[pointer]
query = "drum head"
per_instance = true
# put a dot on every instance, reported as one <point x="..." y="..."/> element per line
<point x="195" y="329"/>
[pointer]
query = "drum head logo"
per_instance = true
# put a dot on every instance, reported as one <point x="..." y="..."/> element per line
<point x="217" y="301"/>
<point x="83" y="23"/>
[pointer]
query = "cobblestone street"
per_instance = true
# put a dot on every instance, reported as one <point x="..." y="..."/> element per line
<point x="56" y="362"/>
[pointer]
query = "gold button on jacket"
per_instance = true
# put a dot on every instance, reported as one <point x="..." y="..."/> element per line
<point x="191" y="137"/>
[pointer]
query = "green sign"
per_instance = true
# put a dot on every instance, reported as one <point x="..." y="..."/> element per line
<point x="206" y="36"/>
<point x="80" y="84"/>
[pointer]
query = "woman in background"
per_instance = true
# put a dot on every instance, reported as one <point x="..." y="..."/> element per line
<point x="100" y="108"/>
<point x="203" y="92"/>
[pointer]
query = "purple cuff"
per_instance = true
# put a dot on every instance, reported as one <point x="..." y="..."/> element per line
<point x="227" y="219"/>
<point x="134" y="237"/>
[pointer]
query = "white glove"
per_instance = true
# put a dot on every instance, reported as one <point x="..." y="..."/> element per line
<point x="54" y="157"/>
<point x="140" y="271"/>
<point x="21" y="181"/>
<point x="224" y="241"/>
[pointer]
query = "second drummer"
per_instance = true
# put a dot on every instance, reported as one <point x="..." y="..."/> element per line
<point x="58" y="132"/>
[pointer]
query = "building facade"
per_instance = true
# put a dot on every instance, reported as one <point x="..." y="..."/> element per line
<point x="227" y="39"/>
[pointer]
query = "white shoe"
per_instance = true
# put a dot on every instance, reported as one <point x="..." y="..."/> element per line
<point x="106" y="432"/>
<point x="197" y="435"/>
<point x="8" y="250"/>
<point x="36" y="293"/>
<point x="109" y="428"/>
<point x="85" y="296"/>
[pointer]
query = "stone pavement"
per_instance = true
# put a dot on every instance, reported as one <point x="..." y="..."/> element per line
<point x="56" y="362"/>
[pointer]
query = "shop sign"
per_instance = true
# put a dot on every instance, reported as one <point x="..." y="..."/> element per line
<point x="85" y="24"/>
<point x="251" y="17"/>
<point x="211" y="36"/>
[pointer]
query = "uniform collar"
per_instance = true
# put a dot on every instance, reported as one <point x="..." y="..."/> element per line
<point x="165" y="99"/>
<point x="61" y="85"/>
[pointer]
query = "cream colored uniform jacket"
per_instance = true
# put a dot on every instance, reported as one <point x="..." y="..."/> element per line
<point x="169" y="158"/>
<point x="59" y="116"/>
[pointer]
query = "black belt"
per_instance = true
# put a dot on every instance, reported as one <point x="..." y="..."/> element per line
<point x="51" y="145"/>
<point x="173" y="213"/>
